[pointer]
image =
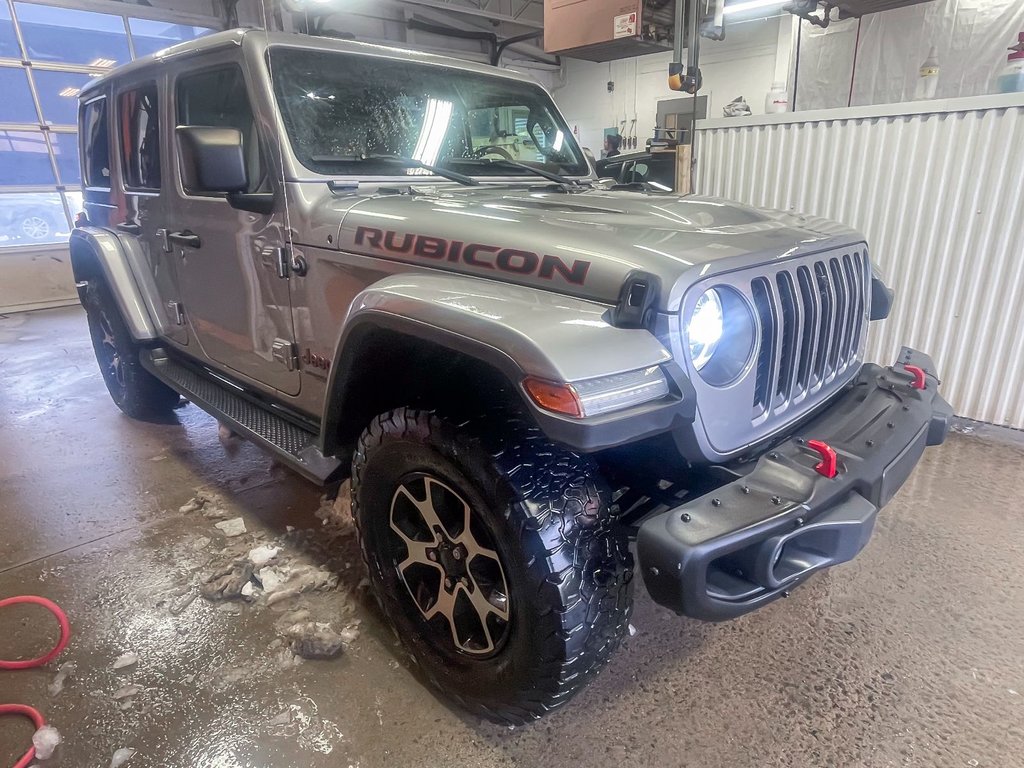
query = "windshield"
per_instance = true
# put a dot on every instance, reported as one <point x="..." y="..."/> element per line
<point x="341" y="109"/>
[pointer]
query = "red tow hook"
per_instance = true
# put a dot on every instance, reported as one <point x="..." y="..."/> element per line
<point x="918" y="374"/>
<point x="829" y="464"/>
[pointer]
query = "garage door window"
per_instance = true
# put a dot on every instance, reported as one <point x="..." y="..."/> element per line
<point x="140" y="137"/>
<point x="48" y="55"/>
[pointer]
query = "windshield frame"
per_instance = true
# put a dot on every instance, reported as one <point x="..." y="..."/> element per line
<point x="420" y="60"/>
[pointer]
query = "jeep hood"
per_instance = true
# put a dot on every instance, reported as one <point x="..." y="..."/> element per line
<point x="578" y="243"/>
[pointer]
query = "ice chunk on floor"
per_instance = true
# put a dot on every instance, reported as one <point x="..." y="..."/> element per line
<point x="45" y="740"/>
<point x="260" y="556"/>
<point x="125" y="660"/>
<point x="233" y="527"/>
<point x="121" y="757"/>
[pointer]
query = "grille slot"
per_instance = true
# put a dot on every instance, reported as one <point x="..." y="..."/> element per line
<point x="812" y="321"/>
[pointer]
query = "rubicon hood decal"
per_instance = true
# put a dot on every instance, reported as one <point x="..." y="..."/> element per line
<point x="479" y="255"/>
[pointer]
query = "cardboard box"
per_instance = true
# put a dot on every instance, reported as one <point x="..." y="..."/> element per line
<point x="603" y="30"/>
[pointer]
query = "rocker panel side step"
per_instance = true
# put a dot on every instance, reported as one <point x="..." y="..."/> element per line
<point x="291" y="443"/>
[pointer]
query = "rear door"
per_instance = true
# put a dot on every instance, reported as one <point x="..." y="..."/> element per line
<point x="237" y="306"/>
<point x="138" y="199"/>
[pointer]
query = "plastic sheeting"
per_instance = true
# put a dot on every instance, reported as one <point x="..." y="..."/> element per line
<point x="970" y="36"/>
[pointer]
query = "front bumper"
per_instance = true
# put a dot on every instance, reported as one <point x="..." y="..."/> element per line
<point x="751" y="541"/>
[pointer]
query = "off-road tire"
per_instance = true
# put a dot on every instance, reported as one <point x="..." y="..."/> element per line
<point x="133" y="389"/>
<point x="568" y="566"/>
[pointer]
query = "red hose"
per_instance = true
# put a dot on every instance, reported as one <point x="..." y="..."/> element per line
<point x="65" y="631"/>
<point x="37" y="720"/>
<point x="65" y="634"/>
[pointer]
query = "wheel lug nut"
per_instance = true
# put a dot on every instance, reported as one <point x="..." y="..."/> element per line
<point x="448" y="583"/>
<point x="432" y="555"/>
<point x="457" y="553"/>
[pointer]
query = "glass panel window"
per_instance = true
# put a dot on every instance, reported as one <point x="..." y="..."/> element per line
<point x="96" y="138"/>
<point x="140" y="137"/>
<point x="58" y="95"/>
<point x="25" y="159"/>
<point x="35" y="218"/>
<point x="152" y="36"/>
<point x="16" y="104"/>
<point x="8" y="41"/>
<point x="76" y="37"/>
<point x="65" y="151"/>
<point x="218" y="98"/>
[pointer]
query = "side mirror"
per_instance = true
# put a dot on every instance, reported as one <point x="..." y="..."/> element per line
<point x="212" y="159"/>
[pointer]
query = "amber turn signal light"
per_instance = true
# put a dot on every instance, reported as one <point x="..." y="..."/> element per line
<point x="553" y="396"/>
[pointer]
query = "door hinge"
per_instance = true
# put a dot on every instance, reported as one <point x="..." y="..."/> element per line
<point x="177" y="311"/>
<point x="285" y="262"/>
<point x="286" y="353"/>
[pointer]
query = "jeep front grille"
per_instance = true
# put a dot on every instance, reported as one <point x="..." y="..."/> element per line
<point x="812" y="317"/>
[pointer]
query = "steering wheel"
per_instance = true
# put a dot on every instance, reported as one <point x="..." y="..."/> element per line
<point x="492" y="148"/>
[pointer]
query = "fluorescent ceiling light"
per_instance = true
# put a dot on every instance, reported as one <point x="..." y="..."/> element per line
<point x="435" y="127"/>
<point x="105" y="63"/>
<point x="69" y="93"/>
<point x="751" y="5"/>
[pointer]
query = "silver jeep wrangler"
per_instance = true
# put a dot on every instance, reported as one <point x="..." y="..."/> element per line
<point x="401" y="269"/>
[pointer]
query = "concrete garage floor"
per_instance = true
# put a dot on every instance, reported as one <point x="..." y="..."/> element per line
<point x="911" y="655"/>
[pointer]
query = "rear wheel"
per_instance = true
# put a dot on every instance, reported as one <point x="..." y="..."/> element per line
<point x="491" y="551"/>
<point x="133" y="389"/>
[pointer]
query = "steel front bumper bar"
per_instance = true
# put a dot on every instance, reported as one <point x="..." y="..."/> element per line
<point x="752" y="540"/>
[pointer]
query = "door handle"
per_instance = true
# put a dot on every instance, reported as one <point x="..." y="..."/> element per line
<point x="188" y="238"/>
<point x="129" y="228"/>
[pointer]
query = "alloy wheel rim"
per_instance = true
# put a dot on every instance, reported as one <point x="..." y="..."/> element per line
<point x="446" y="558"/>
<point x="113" y="357"/>
<point x="35" y="227"/>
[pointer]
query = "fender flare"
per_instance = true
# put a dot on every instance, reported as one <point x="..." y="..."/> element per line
<point x="94" y="249"/>
<point x="517" y="330"/>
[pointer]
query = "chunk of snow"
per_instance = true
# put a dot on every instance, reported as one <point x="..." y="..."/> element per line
<point x="233" y="527"/>
<point x="121" y="757"/>
<point x="126" y="660"/>
<point x="260" y="556"/>
<point x="45" y="740"/>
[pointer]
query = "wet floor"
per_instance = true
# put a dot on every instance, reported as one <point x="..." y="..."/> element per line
<point x="911" y="655"/>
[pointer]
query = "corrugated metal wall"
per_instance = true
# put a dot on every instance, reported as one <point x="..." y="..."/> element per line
<point x="941" y="199"/>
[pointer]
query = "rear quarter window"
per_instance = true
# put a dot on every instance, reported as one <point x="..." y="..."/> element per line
<point x="139" y="129"/>
<point x="95" y="143"/>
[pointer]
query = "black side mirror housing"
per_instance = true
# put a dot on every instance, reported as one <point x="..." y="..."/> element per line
<point x="212" y="159"/>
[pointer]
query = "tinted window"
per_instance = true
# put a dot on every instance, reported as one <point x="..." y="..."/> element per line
<point x="76" y="37"/>
<point x="140" y="137"/>
<point x="16" y="105"/>
<point x="217" y="98"/>
<point x="25" y="159"/>
<point x="58" y="94"/>
<point x="96" y="140"/>
<point x="341" y="109"/>
<point x="152" y="36"/>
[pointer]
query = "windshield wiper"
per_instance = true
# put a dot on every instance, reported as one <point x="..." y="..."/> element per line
<point x="405" y="162"/>
<point x="500" y="161"/>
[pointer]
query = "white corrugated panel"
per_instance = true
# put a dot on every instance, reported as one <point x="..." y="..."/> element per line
<point x="940" y="198"/>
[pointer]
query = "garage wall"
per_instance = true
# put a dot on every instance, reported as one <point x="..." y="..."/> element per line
<point x="936" y="188"/>
<point x="744" y="64"/>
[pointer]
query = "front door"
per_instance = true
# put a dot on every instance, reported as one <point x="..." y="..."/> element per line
<point x="236" y="304"/>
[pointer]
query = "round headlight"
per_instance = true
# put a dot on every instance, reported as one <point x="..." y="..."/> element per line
<point x="720" y="333"/>
<point x="705" y="328"/>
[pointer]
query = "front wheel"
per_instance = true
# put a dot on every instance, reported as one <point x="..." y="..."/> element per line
<point x="491" y="551"/>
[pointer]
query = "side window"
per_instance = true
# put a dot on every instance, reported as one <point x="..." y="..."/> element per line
<point x="217" y="98"/>
<point x="95" y="139"/>
<point x="139" y="128"/>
